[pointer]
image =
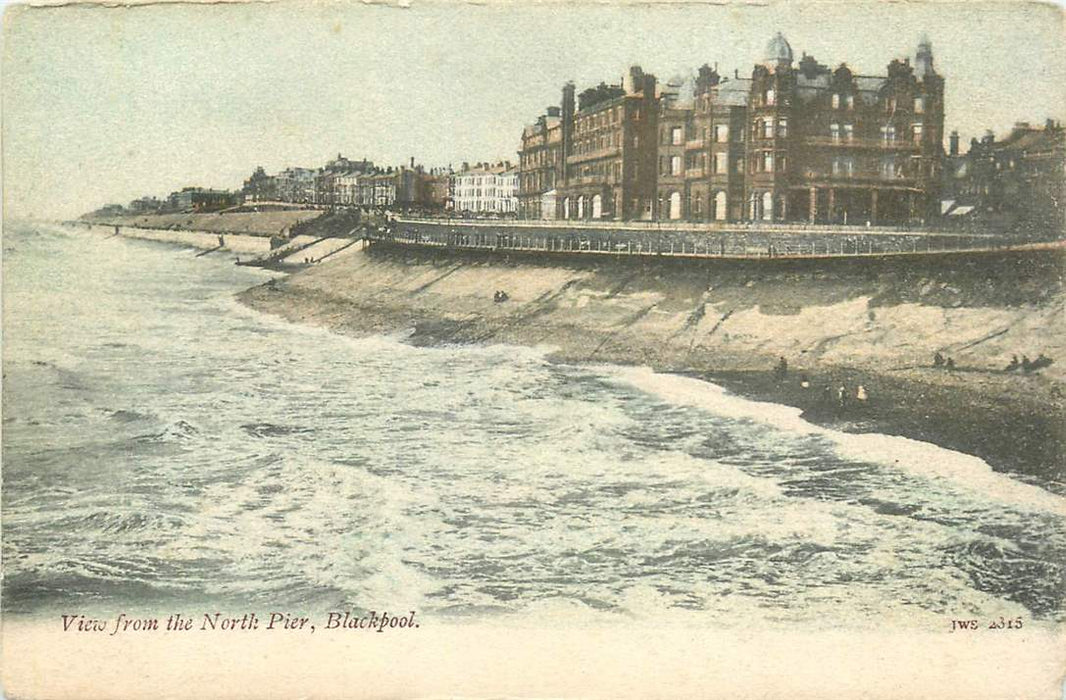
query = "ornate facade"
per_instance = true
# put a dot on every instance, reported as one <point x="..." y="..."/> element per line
<point x="795" y="142"/>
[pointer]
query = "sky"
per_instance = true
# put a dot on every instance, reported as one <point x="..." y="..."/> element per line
<point x="106" y="104"/>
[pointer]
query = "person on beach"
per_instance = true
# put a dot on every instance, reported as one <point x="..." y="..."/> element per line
<point x="938" y="360"/>
<point x="1027" y="364"/>
<point x="1014" y="364"/>
<point x="950" y="364"/>
<point x="781" y="369"/>
<point x="827" y="395"/>
<point x="860" y="393"/>
<point x="842" y="396"/>
<point x="1042" y="361"/>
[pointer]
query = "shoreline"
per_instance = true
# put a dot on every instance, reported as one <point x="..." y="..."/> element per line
<point x="970" y="410"/>
<point x="938" y="408"/>
<point x="1014" y="422"/>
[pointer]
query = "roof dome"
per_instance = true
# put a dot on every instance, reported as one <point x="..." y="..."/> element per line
<point x="778" y="50"/>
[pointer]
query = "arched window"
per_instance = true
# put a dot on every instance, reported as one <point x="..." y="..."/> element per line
<point x="767" y="206"/>
<point x="597" y="206"/>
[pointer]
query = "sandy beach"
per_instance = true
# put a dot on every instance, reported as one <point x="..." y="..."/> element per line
<point x="874" y="323"/>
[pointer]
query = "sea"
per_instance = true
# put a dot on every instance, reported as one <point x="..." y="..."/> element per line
<point x="167" y="449"/>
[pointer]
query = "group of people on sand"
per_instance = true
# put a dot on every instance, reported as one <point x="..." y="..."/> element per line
<point x="939" y="361"/>
<point x="499" y="296"/>
<point x="841" y="397"/>
<point x="1027" y="365"/>
<point x="1024" y="364"/>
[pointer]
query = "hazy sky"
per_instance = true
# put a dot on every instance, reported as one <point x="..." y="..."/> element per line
<point x="106" y="104"/>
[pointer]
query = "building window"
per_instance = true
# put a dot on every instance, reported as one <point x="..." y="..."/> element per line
<point x="675" y="136"/>
<point x="849" y="132"/>
<point x="834" y="131"/>
<point x="768" y="129"/>
<point x="739" y="166"/>
<point x="888" y="168"/>
<point x="919" y="105"/>
<point x="850" y="101"/>
<point x="767" y="162"/>
<point x="782" y="128"/>
<point x="836" y="100"/>
<point x="675" y="165"/>
<point x="888" y="133"/>
<point x="721" y="133"/>
<point x="780" y="164"/>
<point x="768" y="97"/>
<point x="916" y="131"/>
<point x="843" y="166"/>
<point x="721" y="162"/>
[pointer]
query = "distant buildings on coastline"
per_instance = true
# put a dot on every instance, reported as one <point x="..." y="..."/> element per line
<point x="1019" y="180"/>
<point x="486" y="189"/>
<point x="794" y="141"/>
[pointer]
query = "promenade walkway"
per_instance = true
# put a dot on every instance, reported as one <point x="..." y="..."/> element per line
<point x="696" y="240"/>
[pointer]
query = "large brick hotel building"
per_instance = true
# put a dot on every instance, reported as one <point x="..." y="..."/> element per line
<point x="794" y="142"/>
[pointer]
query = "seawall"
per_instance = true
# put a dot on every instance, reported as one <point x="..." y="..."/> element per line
<point x="252" y="223"/>
<point x="876" y="321"/>
<point x="241" y="244"/>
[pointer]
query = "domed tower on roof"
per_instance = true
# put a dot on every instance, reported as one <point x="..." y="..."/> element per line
<point x="923" y="59"/>
<point x="778" y="51"/>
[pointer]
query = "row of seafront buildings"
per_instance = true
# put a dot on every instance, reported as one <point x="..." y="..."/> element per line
<point x="481" y="189"/>
<point x="795" y="141"/>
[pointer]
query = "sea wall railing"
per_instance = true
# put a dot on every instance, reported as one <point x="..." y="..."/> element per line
<point x="779" y="241"/>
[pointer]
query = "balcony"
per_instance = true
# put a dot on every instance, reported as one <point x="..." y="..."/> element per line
<point x="865" y="179"/>
<point x="880" y="144"/>
<point x="612" y="152"/>
<point x="609" y="181"/>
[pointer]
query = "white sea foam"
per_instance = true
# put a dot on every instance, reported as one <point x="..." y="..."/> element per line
<point x="913" y="456"/>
